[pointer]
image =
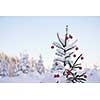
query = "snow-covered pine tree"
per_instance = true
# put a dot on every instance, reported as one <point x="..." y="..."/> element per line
<point x="39" y="66"/>
<point x="3" y="68"/>
<point x="32" y="62"/>
<point x="65" y="50"/>
<point x="13" y="67"/>
<point x="23" y="65"/>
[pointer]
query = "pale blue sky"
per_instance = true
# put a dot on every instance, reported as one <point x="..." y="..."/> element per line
<point x="36" y="34"/>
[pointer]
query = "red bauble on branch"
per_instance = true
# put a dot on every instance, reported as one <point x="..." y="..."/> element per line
<point x="70" y="36"/>
<point x="66" y="37"/>
<point x="80" y="68"/>
<point x="82" y="58"/>
<point x="68" y="72"/>
<point x="58" y="75"/>
<point x="85" y="76"/>
<point x="52" y="47"/>
<point x="54" y="76"/>
<point x="74" y="55"/>
<point x="76" y="48"/>
<point x="56" y="64"/>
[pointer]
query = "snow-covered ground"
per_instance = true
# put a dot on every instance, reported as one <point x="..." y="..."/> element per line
<point x="93" y="75"/>
<point x="48" y="77"/>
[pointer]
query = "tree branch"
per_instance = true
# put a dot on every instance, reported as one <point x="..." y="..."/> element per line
<point x="60" y="40"/>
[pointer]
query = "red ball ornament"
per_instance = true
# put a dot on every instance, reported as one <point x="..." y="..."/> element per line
<point x="52" y="47"/>
<point x="74" y="55"/>
<point x="56" y="64"/>
<point x="80" y="68"/>
<point x="66" y="37"/>
<point x="57" y="75"/>
<point x="85" y="76"/>
<point x="76" y="48"/>
<point x="70" y="36"/>
<point x="68" y="72"/>
<point x="82" y="58"/>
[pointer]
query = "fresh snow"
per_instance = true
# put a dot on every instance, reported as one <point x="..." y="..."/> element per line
<point x="93" y="76"/>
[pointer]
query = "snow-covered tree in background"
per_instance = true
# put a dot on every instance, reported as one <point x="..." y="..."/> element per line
<point x="23" y="65"/>
<point x="3" y="68"/>
<point x="32" y="62"/>
<point x="65" y="51"/>
<point x="39" y="66"/>
<point x="13" y="66"/>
